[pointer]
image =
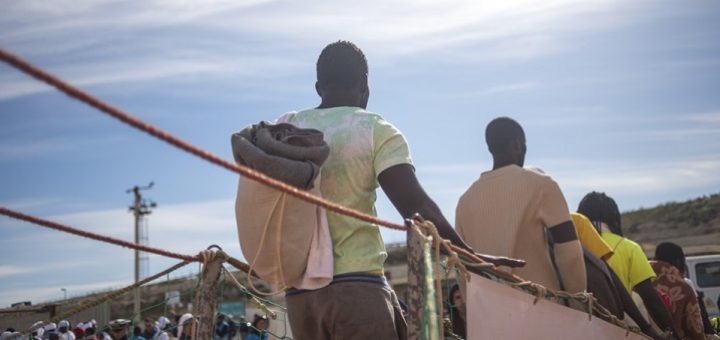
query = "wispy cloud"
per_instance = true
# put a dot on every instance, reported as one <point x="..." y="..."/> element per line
<point x="183" y="228"/>
<point x="508" y="88"/>
<point x="10" y="270"/>
<point x="64" y="36"/>
<point x="158" y="68"/>
<point x="48" y="265"/>
<point x="30" y="203"/>
<point x="679" y="134"/>
<point x="494" y="90"/>
<point x="12" y="150"/>
<point x="626" y="180"/>
<point x="708" y="117"/>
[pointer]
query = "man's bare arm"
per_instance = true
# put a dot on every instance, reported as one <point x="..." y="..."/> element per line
<point x="407" y="195"/>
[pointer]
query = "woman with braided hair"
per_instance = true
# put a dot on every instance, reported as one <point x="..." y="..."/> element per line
<point x="628" y="261"/>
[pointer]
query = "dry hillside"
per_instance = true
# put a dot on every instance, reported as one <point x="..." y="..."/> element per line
<point x="694" y="224"/>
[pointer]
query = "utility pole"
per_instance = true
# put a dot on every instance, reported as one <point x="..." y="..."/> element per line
<point x="140" y="208"/>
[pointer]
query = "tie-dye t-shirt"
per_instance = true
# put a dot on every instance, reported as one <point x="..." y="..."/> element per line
<point x="362" y="145"/>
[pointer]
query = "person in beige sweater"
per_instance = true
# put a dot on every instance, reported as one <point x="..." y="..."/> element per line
<point x="511" y="211"/>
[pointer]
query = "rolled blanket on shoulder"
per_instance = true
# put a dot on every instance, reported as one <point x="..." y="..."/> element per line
<point x="285" y="239"/>
<point x="282" y="151"/>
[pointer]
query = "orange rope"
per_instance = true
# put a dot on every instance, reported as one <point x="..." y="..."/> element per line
<point x="138" y="124"/>
<point x="93" y="236"/>
<point x="126" y="118"/>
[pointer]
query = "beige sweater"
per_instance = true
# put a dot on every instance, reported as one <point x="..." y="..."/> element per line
<point x="506" y="212"/>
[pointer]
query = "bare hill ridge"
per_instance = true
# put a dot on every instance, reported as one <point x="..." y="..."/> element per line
<point x="693" y="224"/>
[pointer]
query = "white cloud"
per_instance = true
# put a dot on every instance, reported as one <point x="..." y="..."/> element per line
<point x="14" y="150"/>
<point x="508" y="88"/>
<point x="707" y="117"/>
<point x="494" y="90"/>
<point x="68" y="35"/>
<point x="679" y="133"/>
<point x="16" y="87"/>
<point x="161" y="67"/>
<point x="10" y="270"/>
<point x="29" y="203"/>
<point x="636" y="183"/>
<point x="184" y="228"/>
<point x="48" y="265"/>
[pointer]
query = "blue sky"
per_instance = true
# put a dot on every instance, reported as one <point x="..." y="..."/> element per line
<point x="614" y="96"/>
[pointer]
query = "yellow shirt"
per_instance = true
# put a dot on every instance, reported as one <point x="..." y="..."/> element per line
<point x="629" y="261"/>
<point x="589" y="237"/>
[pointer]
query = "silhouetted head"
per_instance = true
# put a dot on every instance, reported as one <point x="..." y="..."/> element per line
<point x="342" y="76"/>
<point x="671" y="253"/>
<point x="455" y="296"/>
<point x="260" y="323"/>
<point x="505" y="139"/>
<point x="598" y="207"/>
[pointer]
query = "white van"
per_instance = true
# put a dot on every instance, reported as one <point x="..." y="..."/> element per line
<point x="704" y="271"/>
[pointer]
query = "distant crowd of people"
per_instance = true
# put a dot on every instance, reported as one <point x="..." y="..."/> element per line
<point x="184" y="327"/>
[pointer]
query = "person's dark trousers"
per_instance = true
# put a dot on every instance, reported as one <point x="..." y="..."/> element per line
<point x="346" y="311"/>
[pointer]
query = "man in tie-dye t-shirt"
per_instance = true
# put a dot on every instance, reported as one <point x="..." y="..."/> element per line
<point x="366" y="152"/>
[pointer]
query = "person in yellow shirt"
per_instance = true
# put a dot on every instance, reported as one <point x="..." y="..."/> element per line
<point x="590" y="238"/>
<point x="602" y="281"/>
<point x="628" y="261"/>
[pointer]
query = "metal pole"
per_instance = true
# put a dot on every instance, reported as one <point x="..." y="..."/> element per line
<point x="138" y="215"/>
<point x="140" y="209"/>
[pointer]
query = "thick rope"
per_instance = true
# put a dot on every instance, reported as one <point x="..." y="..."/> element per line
<point x="126" y="118"/>
<point x="240" y="265"/>
<point x="117" y="293"/>
<point x="536" y="289"/>
<point x="263" y="306"/>
<point x="93" y="236"/>
<point x="587" y="299"/>
<point x="280" y="201"/>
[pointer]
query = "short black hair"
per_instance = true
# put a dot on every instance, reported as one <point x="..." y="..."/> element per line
<point x="501" y="132"/>
<point x="671" y="253"/>
<point x="341" y="65"/>
<point x="599" y="207"/>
